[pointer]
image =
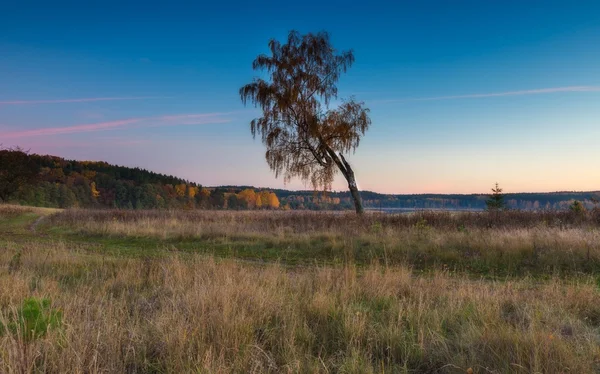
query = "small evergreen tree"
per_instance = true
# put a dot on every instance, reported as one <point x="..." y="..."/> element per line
<point x="577" y="207"/>
<point x="496" y="199"/>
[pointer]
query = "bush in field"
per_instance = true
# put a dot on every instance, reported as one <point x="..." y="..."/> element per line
<point x="577" y="207"/>
<point x="33" y="319"/>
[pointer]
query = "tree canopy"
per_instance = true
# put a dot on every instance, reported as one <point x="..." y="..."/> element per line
<point x="303" y="136"/>
<point x="17" y="170"/>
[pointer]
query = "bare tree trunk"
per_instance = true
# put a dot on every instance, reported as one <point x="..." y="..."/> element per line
<point x="355" y="196"/>
<point x="349" y="175"/>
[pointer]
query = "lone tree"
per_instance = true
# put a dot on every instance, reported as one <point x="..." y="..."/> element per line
<point x="17" y="169"/>
<point x="303" y="137"/>
<point x="496" y="199"/>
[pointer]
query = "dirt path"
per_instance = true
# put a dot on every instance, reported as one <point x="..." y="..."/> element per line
<point x="36" y="223"/>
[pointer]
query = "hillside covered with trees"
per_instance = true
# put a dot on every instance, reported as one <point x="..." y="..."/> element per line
<point x="51" y="181"/>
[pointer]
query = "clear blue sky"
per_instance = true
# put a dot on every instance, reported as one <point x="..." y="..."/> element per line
<point x="462" y="93"/>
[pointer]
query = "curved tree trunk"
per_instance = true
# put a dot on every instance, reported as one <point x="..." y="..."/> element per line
<point x="348" y="173"/>
<point x="355" y="196"/>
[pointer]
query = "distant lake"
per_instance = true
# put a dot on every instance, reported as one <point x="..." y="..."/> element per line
<point x="412" y="210"/>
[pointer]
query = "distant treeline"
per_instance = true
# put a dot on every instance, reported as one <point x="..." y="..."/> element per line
<point x="67" y="183"/>
<point x="372" y="200"/>
<point x="521" y="201"/>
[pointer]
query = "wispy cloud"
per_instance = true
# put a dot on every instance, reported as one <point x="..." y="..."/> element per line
<point x="70" y="129"/>
<point x="536" y="91"/>
<point x="80" y="100"/>
<point x="170" y="120"/>
<point x="40" y="146"/>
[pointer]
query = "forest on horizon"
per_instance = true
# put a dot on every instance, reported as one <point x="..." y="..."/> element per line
<point x="65" y="183"/>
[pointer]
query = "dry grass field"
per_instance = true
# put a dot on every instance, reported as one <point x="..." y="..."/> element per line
<point x="483" y="244"/>
<point x="247" y="292"/>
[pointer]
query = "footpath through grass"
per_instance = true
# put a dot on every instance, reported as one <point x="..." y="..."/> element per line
<point x="20" y="223"/>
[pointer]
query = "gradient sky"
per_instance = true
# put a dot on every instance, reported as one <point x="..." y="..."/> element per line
<point x="462" y="93"/>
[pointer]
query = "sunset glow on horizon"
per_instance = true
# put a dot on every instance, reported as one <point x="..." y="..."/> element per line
<point x="460" y="98"/>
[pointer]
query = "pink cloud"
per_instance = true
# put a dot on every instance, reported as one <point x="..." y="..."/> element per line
<point x="196" y="115"/>
<point x="81" y="100"/>
<point x="70" y="129"/>
<point x="536" y="91"/>
<point x="132" y="142"/>
<point x="190" y="119"/>
<point x="170" y="120"/>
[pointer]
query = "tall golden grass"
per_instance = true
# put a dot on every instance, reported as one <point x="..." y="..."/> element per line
<point x="186" y="312"/>
<point x="196" y="314"/>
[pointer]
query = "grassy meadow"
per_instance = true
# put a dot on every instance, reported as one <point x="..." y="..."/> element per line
<point x="86" y="291"/>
